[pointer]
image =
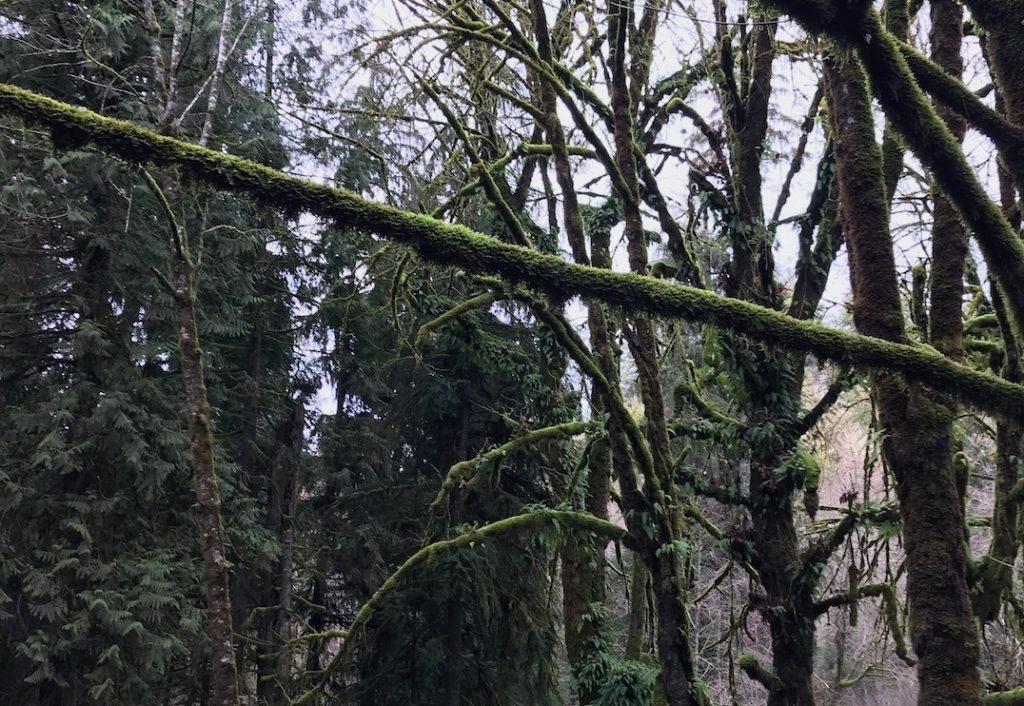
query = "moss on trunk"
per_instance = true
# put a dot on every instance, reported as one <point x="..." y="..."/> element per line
<point x="917" y="420"/>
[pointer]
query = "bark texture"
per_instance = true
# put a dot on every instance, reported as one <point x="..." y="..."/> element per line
<point x="211" y="529"/>
<point x="918" y="421"/>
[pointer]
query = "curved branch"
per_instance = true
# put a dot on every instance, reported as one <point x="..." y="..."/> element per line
<point x="823" y="405"/>
<point x="576" y="520"/>
<point x="460" y="472"/>
<point x="478" y="302"/>
<point x="753" y="668"/>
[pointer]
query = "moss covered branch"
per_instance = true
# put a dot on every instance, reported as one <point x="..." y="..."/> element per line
<point x="1014" y="697"/>
<point x="890" y="605"/>
<point x="820" y="552"/>
<point x="463" y="470"/>
<point x="451" y="244"/>
<point x="528" y="521"/>
<point x="753" y="668"/>
<point x="478" y="302"/>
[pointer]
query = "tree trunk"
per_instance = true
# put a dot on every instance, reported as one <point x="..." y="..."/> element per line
<point x="583" y="572"/>
<point x="211" y="528"/>
<point x="790" y="610"/>
<point x="918" y="421"/>
<point x="224" y="674"/>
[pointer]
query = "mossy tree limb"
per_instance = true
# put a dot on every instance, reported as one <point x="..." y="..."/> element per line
<point x="528" y="521"/>
<point x="1014" y="697"/>
<point x="478" y="302"/>
<point x="753" y="668"/>
<point x="447" y="243"/>
<point x="993" y="576"/>
<point x="463" y="471"/>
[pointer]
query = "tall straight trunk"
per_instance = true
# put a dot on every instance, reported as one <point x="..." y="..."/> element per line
<point x="224" y="671"/>
<point x="918" y="421"/>
<point x="583" y="571"/>
<point x="1001" y="20"/>
<point x="774" y="380"/>
<point x="949" y="238"/>
<point x="583" y="574"/>
<point x="211" y="527"/>
<point x="248" y="585"/>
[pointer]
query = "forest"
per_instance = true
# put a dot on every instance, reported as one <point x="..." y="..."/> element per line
<point x="511" y="352"/>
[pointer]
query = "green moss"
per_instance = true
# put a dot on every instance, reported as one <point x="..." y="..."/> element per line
<point x="1014" y="697"/>
<point x="451" y="244"/>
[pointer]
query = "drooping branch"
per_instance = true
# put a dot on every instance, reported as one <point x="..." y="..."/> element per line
<point x="451" y="244"/>
<point x="889" y="603"/>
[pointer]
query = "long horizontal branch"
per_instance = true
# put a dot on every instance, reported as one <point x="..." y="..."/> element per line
<point x="452" y="244"/>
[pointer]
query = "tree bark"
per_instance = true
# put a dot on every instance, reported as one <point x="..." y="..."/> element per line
<point x="949" y="238"/>
<point x="211" y="528"/>
<point x="918" y="421"/>
<point x="224" y="672"/>
<point x="666" y="564"/>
